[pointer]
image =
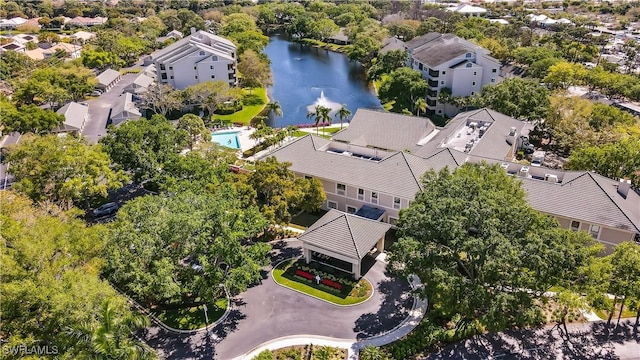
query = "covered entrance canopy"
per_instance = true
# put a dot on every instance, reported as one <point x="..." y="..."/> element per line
<point x="345" y="237"/>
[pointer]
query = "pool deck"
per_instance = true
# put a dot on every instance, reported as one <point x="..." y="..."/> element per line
<point x="246" y="143"/>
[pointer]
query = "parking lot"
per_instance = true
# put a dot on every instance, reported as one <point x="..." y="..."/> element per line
<point x="99" y="108"/>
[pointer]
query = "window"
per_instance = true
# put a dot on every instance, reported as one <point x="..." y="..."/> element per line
<point x="195" y="68"/>
<point x="211" y="67"/>
<point x="493" y="80"/>
<point x="473" y="93"/>
<point x="469" y="65"/>
<point x="351" y="210"/>
<point x="475" y="73"/>
<point x="467" y="55"/>
<point x="201" y="53"/>
<point x="420" y="66"/>
<point x="594" y="230"/>
<point x="374" y="197"/>
<point x="170" y="67"/>
<point x="161" y="66"/>
<point x="360" y="194"/>
<point x="196" y="77"/>
<point x="340" y="189"/>
<point x="494" y="70"/>
<point x="441" y="82"/>
<point x="473" y="83"/>
<point x="444" y="73"/>
<point x="396" y="202"/>
<point x="164" y="76"/>
<point x="171" y="77"/>
<point x="439" y="111"/>
<point x="575" y="225"/>
<point x="213" y="76"/>
<point x="308" y="177"/>
<point x="332" y="204"/>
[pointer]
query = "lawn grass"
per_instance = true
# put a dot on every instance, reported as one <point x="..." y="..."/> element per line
<point x="192" y="318"/>
<point x="626" y="313"/>
<point x="357" y="294"/>
<point x="300" y="133"/>
<point x="248" y="112"/>
<point x="304" y="219"/>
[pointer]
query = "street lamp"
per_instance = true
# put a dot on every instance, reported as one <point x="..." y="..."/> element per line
<point x="206" y="318"/>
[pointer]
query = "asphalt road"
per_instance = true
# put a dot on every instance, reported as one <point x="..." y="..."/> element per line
<point x="96" y="125"/>
<point x="268" y="311"/>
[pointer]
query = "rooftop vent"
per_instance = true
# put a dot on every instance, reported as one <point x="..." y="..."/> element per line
<point x="524" y="171"/>
<point x="504" y="165"/>
<point x="551" y="178"/>
<point x="623" y="187"/>
<point x="512" y="131"/>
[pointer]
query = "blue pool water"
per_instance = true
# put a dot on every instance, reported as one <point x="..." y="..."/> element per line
<point x="228" y="139"/>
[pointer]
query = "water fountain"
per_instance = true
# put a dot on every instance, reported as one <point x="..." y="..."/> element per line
<point x="323" y="101"/>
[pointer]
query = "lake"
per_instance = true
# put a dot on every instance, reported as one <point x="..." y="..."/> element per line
<point x="304" y="76"/>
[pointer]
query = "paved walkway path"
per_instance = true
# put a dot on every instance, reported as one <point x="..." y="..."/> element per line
<point x="269" y="311"/>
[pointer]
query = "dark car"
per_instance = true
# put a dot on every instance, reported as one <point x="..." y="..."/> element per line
<point x="106" y="209"/>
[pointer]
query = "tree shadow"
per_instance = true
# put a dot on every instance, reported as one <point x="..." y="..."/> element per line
<point x="200" y="345"/>
<point x="282" y="251"/>
<point x="584" y="341"/>
<point x="396" y="304"/>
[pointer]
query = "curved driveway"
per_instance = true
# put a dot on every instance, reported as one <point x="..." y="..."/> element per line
<point x="268" y="311"/>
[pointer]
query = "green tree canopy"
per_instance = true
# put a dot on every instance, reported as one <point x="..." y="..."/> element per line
<point x="615" y="160"/>
<point x="386" y="62"/>
<point x="483" y="252"/>
<point x="403" y="87"/>
<point x="50" y="284"/>
<point x="194" y="126"/>
<point x="520" y="98"/>
<point x="181" y="247"/>
<point x="280" y="193"/>
<point x="28" y="118"/>
<point x="142" y="147"/>
<point x="254" y="70"/>
<point x="64" y="170"/>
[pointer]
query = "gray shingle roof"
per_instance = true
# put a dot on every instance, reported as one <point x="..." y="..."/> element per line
<point x="398" y="174"/>
<point x="433" y="49"/>
<point x="588" y="197"/>
<point x="107" y="77"/>
<point x="74" y="116"/>
<point x="385" y="130"/>
<point x="493" y="143"/>
<point x="349" y="235"/>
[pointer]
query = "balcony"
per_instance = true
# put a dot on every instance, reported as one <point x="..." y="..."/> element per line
<point x="434" y="73"/>
<point x="432" y="93"/>
<point x="433" y="83"/>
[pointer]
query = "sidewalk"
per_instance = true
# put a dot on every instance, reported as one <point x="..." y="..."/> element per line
<point x="353" y="347"/>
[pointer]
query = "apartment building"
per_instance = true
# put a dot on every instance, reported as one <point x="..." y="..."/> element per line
<point x="199" y="57"/>
<point x="448" y="61"/>
<point x="361" y="169"/>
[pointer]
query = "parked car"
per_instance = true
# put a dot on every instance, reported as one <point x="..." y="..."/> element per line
<point x="96" y="93"/>
<point x="106" y="209"/>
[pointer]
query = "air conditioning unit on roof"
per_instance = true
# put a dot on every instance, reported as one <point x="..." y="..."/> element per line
<point x="524" y="171"/>
<point x="551" y="178"/>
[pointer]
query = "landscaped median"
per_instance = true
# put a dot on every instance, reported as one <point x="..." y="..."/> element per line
<point x="322" y="282"/>
<point x="192" y="318"/>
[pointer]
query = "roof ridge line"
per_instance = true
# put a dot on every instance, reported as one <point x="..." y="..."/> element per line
<point x="328" y="222"/>
<point x="353" y="240"/>
<point x="610" y="198"/>
<point x="411" y="170"/>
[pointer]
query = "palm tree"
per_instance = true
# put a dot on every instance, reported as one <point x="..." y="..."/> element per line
<point x="110" y="338"/>
<point x="420" y="104"/>
<point x="343" y="113"/>
<point x="372" y="353"/>
<point x="274" y="110"/>
<point x="321" y="114"/>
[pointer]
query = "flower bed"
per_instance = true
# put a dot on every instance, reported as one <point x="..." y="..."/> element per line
<point x="338" y="287"/>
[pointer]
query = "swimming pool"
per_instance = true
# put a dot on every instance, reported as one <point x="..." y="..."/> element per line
<point x="226" y="138"/>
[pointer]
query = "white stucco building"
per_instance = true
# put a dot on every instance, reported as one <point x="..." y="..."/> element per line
<point x="199" y="57"/>
<point x="448" y="61"/>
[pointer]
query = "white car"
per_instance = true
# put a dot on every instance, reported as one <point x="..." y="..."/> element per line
<point x="106" y="209"/>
